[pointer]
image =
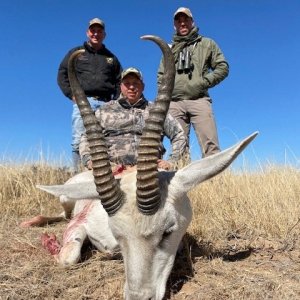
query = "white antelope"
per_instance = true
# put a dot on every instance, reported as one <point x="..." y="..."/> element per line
<point x="144" y="212"/>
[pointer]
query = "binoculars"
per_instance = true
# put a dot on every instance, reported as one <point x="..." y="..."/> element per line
<point x="184" y="61"/>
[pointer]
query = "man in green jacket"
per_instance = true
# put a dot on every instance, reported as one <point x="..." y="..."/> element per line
<point x="200" y="65"/>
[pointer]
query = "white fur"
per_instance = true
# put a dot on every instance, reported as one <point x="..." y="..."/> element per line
<point x="148" y="243"/>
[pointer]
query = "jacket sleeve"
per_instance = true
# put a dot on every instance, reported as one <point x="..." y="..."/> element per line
<point x="62" y="76"/>
<point x="161" y="69"/>
<point x="174" y="131"/>
<point x="118" y="72"/>
<point x="160" y="72"/>
<point x="218" y="64"/>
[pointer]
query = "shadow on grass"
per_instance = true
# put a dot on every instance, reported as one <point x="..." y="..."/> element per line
<point x="190" y="251"/>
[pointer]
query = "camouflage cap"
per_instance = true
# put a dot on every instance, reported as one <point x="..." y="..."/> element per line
<point x="132" y="70"/>
<point x="96" y="21"/>
<point x="183" y="10"/>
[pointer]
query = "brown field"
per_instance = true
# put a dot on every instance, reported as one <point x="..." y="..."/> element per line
<point x="243" y="241"/>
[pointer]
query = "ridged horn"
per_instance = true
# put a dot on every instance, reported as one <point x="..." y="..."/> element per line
<point x="107" y="186"/>
<point x="148" y="194"/>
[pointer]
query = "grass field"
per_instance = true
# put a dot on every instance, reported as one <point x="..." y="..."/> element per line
<point x="243" y="241"/>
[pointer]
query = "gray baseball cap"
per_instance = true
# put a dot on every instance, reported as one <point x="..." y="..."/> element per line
<point x="134" y="71"/>
<point x="183" y="10"/>
<point x="96" y="21"/>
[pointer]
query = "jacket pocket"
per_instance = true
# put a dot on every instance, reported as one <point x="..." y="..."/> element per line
<point x="197" y="89"/>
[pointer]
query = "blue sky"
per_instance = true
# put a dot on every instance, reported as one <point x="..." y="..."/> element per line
<point x="259" y="39"/>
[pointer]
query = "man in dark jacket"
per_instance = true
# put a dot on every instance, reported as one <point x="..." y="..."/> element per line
<point x="200" y="65"/>
<point x="99" y="73"/>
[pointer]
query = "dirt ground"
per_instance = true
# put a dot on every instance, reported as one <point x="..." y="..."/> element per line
<point x="235" y="268"/>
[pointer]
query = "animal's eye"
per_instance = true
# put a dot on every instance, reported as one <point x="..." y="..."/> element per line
<point x="166" y="234"/>
<point x="164" y="238"/>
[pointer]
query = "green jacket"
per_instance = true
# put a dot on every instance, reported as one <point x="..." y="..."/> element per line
<point x="209" y="67"/>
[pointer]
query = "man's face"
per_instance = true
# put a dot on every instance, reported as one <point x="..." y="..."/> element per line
<point x="132" y="88"/>
<point x="183" y="24"/>
<point x="96" y="34"/>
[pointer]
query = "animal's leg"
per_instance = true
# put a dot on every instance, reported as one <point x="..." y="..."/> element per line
<point x="74" y="236"/>
<point x="42" y="220"/>
<point x="71" y="250"/>
<point x="68" y="206"/>
<point x="69" y="253"/>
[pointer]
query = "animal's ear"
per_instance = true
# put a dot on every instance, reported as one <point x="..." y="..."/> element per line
<point x="77" y="191"/>
<point x="199" y="171"/>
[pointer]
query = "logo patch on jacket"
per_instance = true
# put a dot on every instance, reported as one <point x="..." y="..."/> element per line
<point x="109" y="60"/>
<point x="82" y="57"/>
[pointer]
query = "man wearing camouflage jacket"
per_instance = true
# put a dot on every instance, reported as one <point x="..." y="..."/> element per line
<point x="123" y="121"/>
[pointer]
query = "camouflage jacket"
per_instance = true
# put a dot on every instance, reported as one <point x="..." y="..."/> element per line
<point x="123" y="125"/>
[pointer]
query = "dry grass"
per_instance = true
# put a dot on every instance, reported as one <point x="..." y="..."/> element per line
<point x="243" y="241"/>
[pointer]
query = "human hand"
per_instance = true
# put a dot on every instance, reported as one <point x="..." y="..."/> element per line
<point x="89" y="165"/>
<point x="163" y="164"/>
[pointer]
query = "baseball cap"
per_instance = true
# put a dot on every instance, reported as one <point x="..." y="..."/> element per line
<point x="132" y="70"/>
<point x="96" y="21"/>
<point x="183" y="10"/>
